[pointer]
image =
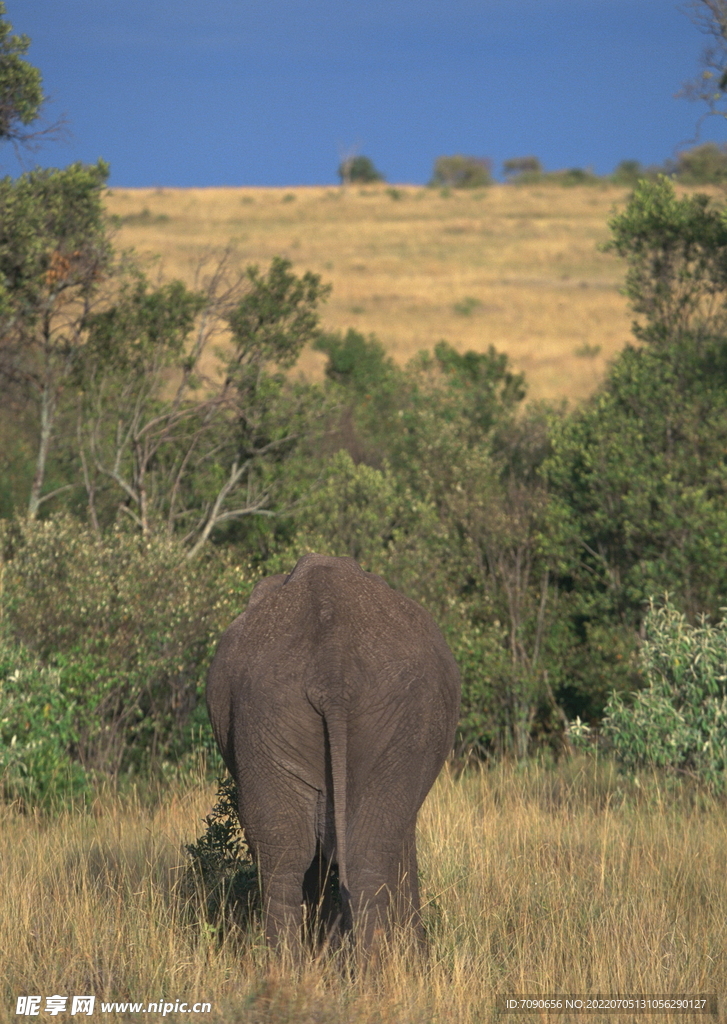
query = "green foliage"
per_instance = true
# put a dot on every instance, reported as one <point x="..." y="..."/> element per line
<point x="21" y="91"/>
<point x="450" y="397"/>
<point x="221" y="865"/>
<point x="467" y="306"/>
<point x="522" y="168"/>
<point x="145" y="331"/>
<point x="676" y="251"/>
<point x="38" y="731"/>
<point x="125" y="629"/>
<point x="637" y="475"/>
<point x="356" y="362"/>
<point x="527" y="170"/>
<point x="277" y="317"/>
<point x="639" y="481"/>
<point x="367" y="514"/>
<point x="628" y="173"/>
<point x="54" y="254"/>
<point x="680" y="720"/>
<point x="52" y="237"/>
<point x="452" y="495"/>
<point x="184" y="460"/>
<point x="642" y="473"/>
<point x="461" y="172"/>
<point x="703" y="165"/>
<point x="359" y="169"/>
<point x="573" y="177"/>
<point x="486" y="724"/>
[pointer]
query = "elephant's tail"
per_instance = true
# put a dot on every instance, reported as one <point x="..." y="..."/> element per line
<point x="338" y="740"/>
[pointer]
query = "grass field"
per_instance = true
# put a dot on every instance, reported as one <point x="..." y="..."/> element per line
<point x="513" y="267"/>
<point x="539" y="882"/>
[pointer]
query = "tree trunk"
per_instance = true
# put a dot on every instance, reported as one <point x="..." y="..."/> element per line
<point x="47" y="417"/>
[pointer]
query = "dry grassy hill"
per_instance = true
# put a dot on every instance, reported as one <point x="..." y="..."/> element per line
<point x="514" y="267"/>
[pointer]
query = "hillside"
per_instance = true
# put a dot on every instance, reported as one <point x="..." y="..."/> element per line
<point x="513" y="267"/>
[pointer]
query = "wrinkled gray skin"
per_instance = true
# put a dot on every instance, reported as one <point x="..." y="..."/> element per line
<point x="334" y="701"/>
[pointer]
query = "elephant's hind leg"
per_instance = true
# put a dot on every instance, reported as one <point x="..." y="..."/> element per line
<point x="322" y="906"/>
<point x="281" y="832"/>
<point x="406" y="903"/>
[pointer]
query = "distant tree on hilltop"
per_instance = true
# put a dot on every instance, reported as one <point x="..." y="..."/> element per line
<point x="460" y="171"/>
<point x="703" y="165"/>
<point x="520" y="165"/>
<point x="359" y="169"/>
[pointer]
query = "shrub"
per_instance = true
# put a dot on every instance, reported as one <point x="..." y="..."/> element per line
<point x="573" y="176"/>
<point x="359" y="169"/>
<point x="703" y="165"/>
<point x="461" y="172"/>
<point x="221" y="869"/>
<point x="522" y="167"/>
<point x="38" y="731"/>
<point x="680" y="720"/>
<point x="357" y="362"/>
<point x="485" y="722"/>
<point x="123" y="629"/>
<point x="628" y="173"/>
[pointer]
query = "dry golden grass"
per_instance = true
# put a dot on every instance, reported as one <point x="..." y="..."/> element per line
<point x="513" y="267"/>
<point x="540" y="882"/>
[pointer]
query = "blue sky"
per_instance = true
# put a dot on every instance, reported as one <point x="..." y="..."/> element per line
<point x="274" y="92"/>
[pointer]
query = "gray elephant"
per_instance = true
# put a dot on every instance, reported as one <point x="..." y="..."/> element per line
<point x="334" y="701"/>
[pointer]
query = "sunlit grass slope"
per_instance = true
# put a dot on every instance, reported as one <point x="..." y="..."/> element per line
<point x="513" y="267"/>
<point x="537" y="881"/>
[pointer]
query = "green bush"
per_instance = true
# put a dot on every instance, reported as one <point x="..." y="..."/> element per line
<point x="221" y="872"/>
<point x="627" y="173"/>
<point x="676" y="250"/>
<point x="703" y="165"/>
<point x="486" y="670"/>
<point x="359" y="169"/>
<point x="38" y="731"/>
<point x="572" y="177"/>
<point x="521" y="168"/>
<point x="461" y="172"/>
<point x="680" y="720"/>
<point x="124" y="629"/>
<point x="636" y="475"/>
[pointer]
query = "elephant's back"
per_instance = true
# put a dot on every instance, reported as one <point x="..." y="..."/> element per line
<point x="353" y="635"/>
<point x="331" y="632"/>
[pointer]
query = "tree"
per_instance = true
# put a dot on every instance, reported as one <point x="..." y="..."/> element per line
<point x="703" y="165"/>
<point x="54" y="255"/>
<point x="360" y="169"/>
<point x="676" y="250"/>
<point x="21" y="88"/>
<point x="461" y="172"/>
<point x="185" y="449"/>
<point x="628" y="173"/>
<point x="710" y="16"/>
<point x="637" y="475"/>
<point x="522" y="166"/>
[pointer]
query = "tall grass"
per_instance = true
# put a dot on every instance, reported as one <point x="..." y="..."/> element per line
<point x="537" y="881"/>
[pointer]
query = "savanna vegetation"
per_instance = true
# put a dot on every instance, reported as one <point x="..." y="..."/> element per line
<point x="537" y="883"/>
<point x="515" y="267"/>
<point x="161" y="451"/>
<point x="162" y="454"/>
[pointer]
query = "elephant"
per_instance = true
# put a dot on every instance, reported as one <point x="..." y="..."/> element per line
<point x="334" y="701"/>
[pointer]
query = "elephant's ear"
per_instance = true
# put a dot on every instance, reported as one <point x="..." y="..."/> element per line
<point x="265" y="587"/>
